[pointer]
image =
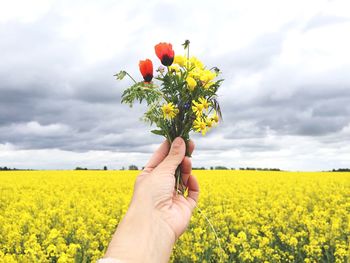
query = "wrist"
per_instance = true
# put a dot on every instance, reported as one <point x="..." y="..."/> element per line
<point x="142" y="236"/>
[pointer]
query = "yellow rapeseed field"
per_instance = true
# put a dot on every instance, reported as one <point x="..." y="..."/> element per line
<point x="69" y="216"/>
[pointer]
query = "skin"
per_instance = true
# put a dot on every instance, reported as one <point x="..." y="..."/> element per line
<point x="157" y="216"/>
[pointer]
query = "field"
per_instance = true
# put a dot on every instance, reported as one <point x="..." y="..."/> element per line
<point x="69" y="216"/>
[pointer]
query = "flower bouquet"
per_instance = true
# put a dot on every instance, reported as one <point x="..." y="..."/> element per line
<point x="181" y="98"/>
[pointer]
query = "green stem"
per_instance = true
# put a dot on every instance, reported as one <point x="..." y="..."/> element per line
<point x="222" y="251"/>
<point x="131" y="77"/>
<point x="178" y="180"/>
<point x="188" y="56"/>
<point x="187" y="148"/>
<point x="179" y="185"/>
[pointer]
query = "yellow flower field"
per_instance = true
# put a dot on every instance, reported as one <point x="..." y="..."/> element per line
<point x="69" y="216"/>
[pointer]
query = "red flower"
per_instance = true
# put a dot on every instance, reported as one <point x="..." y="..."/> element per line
<point x="165" y="53"/>
<point x="146" y="68"/>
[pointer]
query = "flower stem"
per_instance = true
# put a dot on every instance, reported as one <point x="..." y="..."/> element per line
<point x="188" y="56"/>
<point x="178" y="186"/>
<point x="131" y="77"/>
<point x="222" y="251"/>
<point x="187" y="142"/>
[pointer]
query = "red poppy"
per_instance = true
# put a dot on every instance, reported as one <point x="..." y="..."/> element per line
<point x="146" y="68"/>
<point x="165" y="53"/>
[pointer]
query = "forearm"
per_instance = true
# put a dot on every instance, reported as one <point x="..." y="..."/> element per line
<point x="141" y="237"/>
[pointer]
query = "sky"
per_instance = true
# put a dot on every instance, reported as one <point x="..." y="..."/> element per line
<point x="285" y="99"/>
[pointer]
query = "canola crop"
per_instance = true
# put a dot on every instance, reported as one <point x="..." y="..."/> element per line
<point x="70" y="216"/>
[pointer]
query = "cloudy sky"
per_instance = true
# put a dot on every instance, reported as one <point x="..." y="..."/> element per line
<point x="285" y="99"/>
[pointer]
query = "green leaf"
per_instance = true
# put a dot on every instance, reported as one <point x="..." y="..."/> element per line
<point x="216" y="106"/>
<point x="120" y="75"/>
<point x="158" y="132"/>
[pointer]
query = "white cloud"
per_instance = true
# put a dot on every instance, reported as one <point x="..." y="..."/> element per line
<point x="6" y="147"/>
<point x="35" y="128"/>
<point x="23" y="11"/>
<point x="59" y="159"/>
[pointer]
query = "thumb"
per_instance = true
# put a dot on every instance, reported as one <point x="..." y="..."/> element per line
<point x="174" y="158"/>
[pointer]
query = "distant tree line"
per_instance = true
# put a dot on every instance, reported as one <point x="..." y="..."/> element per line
<point x="85" y="169"/>
<point x="80" y="168"/>
<point x="131" y="167"/>
<point x="220" y="167"/>
<point x="5" y="168"/>
<point x="341" y="170"/>
<point x="134" y="167"/>
<point x="259" y="169"/>
<point x="105" y="168"/>
<point x="241" y="168"/>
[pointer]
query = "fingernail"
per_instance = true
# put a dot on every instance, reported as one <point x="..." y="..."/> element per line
<point x="178" y="141"/>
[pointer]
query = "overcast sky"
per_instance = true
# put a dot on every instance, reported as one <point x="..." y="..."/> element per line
<point x="285" y="99"/>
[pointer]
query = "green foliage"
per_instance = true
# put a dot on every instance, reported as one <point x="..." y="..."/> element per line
<point x="121" y="74"/>
<point x="158" y="132"/>
<point x="80" y="168"/>
<point x="220" y="168"/>
<point x="133" y="167"/>
<point x="140" y="92"/>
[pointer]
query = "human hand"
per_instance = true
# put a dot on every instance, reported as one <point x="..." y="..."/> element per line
<point x="157" y="181"/>
<point x="157" y="215"/>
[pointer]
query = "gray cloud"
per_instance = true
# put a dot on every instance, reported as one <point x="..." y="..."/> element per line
<point x="257" y="55"/>
<point x="56" y="95"/>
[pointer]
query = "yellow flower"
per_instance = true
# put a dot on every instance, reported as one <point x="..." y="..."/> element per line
<point x="191" y="82"/>
<point x="197" y="108"/>
<point x="242" y="236"/>
<point x="257" y="253"/>
<point x="55" y="191"/>
<point x="207" y="76"/>
<point x="180" y="60"/>
<point x="204" y="102"/>
<point x="169" y="111"/>
<point x="194" y="73"/>
<point x="209" y="122"/>
<point x="293" y="242"/>
<point x="196" y="63"/>
<point x="215" y="117"/>
<point x="200" y="126"/>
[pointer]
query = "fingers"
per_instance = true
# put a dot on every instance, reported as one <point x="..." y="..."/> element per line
<point x="190" y="146"/>
<point x="161" y="153"/>
<point x="186" y="169"/>
<point x="193" y="191"/>
<point x="174" y="158"/>
<point x="158" y="156"/>
<point x="186" y="165"/>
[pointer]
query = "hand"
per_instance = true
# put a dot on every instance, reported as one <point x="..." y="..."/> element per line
<point x="157" y="215"/>
<point x="157" y="183"/>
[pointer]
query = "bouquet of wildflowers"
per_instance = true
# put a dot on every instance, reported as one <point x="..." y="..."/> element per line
<point x="181" y="98"/>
